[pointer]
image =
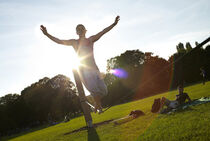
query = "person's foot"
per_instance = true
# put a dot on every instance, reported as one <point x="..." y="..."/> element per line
<point x="162" y="101"/>
<point x="92" y="109"/>
<point x="95" y="109"/>
<point x="100" y="111"/>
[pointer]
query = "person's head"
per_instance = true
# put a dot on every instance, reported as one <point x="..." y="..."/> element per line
<point x="181" y="89"/>
<point x="80" y="29"/>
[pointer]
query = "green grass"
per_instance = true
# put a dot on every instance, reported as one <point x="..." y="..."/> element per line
<point x="190" y="124"/>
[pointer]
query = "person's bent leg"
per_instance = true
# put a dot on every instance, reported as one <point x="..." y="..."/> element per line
<point x="97" y="99"/>
<point x="95" y="85"/>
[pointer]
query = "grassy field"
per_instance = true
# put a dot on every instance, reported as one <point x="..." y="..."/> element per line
<point x="190" y="124"/>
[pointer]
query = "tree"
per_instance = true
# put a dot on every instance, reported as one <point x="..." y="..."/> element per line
<point x="13" y="113"/>
<point x="188" y="47"/>
<point x="146" y="76"/>
<point x="180" y="48"/>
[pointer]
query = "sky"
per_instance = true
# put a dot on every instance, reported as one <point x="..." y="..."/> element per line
<point x="26" y="55"/>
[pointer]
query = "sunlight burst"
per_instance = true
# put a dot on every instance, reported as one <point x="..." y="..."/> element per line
<point x="77" y="63"/>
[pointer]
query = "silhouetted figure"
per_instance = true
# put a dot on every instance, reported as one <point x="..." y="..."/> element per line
<point x="203" y="74"/>
<point x="89" y="72"/>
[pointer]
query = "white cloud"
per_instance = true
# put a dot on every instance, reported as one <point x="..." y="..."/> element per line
<point x="165" y="48"/>
<point x="191" y="36"/>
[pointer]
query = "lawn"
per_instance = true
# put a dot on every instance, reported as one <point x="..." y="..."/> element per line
<point x="190" y="124"/>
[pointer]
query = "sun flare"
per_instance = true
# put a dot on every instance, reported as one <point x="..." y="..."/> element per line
<point x="77" y="63"/>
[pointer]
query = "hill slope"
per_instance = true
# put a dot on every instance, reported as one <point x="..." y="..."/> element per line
<point x="190" y="124"/>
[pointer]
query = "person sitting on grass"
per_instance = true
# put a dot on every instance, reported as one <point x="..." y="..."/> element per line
<point x="88" y="71"/>
<point x="180" y="99"/>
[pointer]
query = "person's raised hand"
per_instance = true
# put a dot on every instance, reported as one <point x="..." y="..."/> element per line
<point x="43" y="29"/>
<point x="117" y="19"/>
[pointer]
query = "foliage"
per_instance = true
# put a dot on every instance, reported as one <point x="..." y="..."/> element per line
<point x="147" y="75"/>
<point x="46" y="101"/>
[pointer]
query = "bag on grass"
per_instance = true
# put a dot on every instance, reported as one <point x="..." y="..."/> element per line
<point x="156" y="106"/>
<point x="136" y="113"/>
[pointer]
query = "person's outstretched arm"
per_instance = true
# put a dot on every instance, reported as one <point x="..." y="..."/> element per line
<point x="98" y="36"/>
<point x="63" y="42"/>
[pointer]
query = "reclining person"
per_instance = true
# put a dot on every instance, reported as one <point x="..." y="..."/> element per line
<point x="180" y="99"/>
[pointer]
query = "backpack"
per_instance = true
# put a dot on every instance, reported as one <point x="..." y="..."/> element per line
<point x="136" y="113"/>
<point x="156" y="106"/>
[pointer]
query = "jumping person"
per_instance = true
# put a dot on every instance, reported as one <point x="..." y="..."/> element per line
<point x="89" y="72"/>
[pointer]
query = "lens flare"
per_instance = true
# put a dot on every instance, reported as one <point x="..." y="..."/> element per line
<point x="121" y="73"/>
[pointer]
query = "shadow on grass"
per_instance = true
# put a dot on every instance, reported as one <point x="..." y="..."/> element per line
<point x="6" y="138"/>
<point x="171" y="112"/>
<point x="92" y="135"/>
<point x="184" y="110"/>
<point x="86" y="128"/>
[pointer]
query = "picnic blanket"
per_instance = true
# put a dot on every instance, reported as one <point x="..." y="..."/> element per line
<point x="202" y="100"/>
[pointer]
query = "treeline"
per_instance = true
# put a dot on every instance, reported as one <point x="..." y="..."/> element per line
<point x="44" y="102"/>
<point x="148" y="75"/>
<point x="140" y="75"/>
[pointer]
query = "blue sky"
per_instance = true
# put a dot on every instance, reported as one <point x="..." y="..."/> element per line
<point x="26" y="55"/>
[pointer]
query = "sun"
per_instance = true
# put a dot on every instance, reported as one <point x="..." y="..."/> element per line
<point x="77" y="63"/>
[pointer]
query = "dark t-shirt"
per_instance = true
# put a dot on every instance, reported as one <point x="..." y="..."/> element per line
<point x="181" y="97"/>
